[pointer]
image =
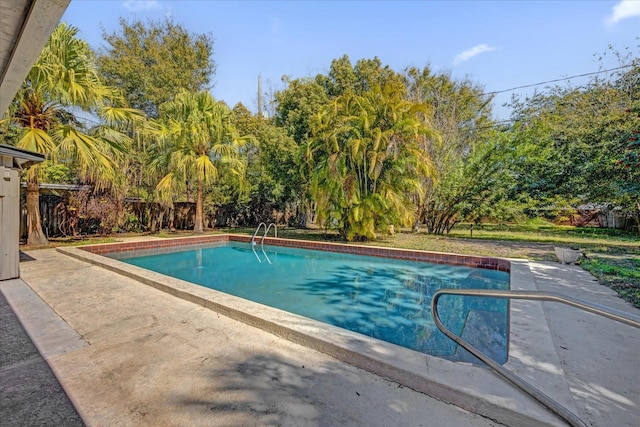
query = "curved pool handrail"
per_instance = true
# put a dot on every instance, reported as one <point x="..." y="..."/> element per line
<point x="548" y="402"/>
<point x="266" y="231"/>
<point x="253" y="239"/>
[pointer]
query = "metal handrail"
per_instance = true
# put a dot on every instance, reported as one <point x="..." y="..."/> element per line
<point x="253" y="239"/>
<point x="266" y="231"/>
<point x="275" y="233"/>
<point x="548" y="402"/>
<point x="253" y="242"/>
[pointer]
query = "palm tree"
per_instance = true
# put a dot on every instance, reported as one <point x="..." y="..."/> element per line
<point x="197" y="141"/>
<point x="63" y="82"/>
<point x="366" y="160"/>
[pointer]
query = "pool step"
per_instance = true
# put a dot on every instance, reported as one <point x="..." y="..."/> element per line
<point x="485" y="330"/>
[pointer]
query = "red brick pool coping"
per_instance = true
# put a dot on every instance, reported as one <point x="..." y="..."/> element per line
<point x="488" y="263"/>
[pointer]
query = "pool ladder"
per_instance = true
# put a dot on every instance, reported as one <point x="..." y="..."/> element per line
<point x="266" y="231"/>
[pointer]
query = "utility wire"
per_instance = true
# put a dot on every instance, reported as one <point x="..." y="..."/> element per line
<point x="558" y="80"/>
<point x="511" y="89"/>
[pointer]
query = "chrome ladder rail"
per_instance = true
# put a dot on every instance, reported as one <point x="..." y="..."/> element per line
<point x="266" y="231"/>
<point x="253" y="240"/>
<point x="275" y="233"/>
<point x="548" y="402"/>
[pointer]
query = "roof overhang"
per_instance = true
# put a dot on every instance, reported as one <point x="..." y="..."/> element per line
<point x="18" y="158"/>
<point x="25" y="27"/>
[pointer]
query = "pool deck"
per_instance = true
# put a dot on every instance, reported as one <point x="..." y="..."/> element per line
<point x="129" y="354"/>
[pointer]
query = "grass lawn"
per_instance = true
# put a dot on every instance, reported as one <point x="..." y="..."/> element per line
<point x="612" y="256"/>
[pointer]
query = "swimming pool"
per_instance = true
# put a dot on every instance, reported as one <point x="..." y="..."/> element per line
<point x="387" y="299"/>
<point x="466" y="385"/>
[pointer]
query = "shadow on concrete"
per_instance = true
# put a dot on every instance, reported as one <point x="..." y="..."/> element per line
<point x="24" y="257"/>
<point x="262" y="390"/>
<point x="30" y="394"/>
<point x="266" y="389"/>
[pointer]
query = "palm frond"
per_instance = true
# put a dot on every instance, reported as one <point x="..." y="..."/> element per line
<point x="37" y="140"/>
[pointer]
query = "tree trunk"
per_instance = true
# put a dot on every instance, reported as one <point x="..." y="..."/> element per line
<point x="197" y="227"/>
<point x="172" y="216"/>
<point x="35" y="235"/>
<point x="161" y="219"/>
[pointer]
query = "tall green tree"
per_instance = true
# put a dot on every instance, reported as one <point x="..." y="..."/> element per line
<point x="196" y="143"/>
<point x="153" y="61"/>
<point x="63" y="81"/>
<point x="628" y="165"/>
<point x="302" y="98"/>
<point x="366" y="161"/>
<point x="341" y="79"/>
<point x="464" y="155"/>
<point x="571" y="144"/>
<point x="296" y="104"/>
<point x="366" y="74"/>
<point x="272" y="167"/>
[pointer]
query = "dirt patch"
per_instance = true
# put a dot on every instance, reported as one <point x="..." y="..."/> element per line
<point x="495" y="248"/>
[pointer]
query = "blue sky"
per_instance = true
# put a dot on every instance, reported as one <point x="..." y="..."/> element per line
<point x="499" y="44"/>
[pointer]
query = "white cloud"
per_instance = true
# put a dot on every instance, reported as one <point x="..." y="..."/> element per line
<point x="470" y="53"/>
<point x="624" y="9"/>
<point x="141" y="5"/>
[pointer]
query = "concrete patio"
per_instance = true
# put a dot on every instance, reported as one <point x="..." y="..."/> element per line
<point x="129" y="354"/>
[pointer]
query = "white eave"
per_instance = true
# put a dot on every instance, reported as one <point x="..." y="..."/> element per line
<point x="25" y="27"/>
<point x="17" y="157"/>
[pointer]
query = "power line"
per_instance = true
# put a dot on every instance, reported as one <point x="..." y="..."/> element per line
<point x="557" y="80"/>
<point x="88" y="120"/>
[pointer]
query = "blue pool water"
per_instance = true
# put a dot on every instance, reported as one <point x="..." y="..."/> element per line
<point x="383" y="298"/>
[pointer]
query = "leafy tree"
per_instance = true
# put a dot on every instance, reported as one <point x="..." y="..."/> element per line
<point x="272" y="169"/>
<point x="63" y="81"/>
<point x="296" y="104"/>
<point x="572" y="145"/>
<point x="465" y="156"/>
<point x="370" y="73"/>
<point x="366" y="160"/>
<point x="465" y="191"/>
<point x="550" y="128"/>
<point x="197" y="144"/>
<point x="342" y="78"/>
<point x="346" y="78"/>
<point x="305" y="97"/>
<point x="628" y="166"/>
<point x="628" y="169"/>
<point x="154" y="61"/>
